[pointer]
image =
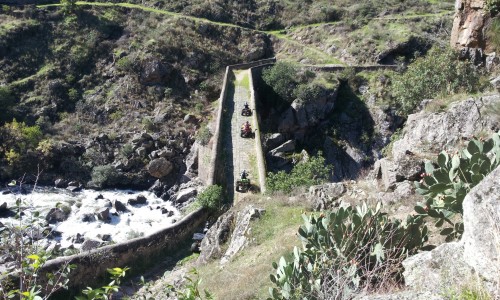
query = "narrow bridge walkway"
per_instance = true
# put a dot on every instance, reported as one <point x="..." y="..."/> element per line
<point x="239" y="153"/>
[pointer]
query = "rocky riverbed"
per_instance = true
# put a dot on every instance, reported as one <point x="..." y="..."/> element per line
<point x="72" y="221"/>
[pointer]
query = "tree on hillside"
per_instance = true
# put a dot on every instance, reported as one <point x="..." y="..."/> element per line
<point x="439" y="73"/>
<point x="282" y="78"/>
<point x="69" y="6"/>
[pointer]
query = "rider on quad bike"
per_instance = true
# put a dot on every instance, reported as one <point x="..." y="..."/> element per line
<point x="246" y="111"/>
<point x="246" y="129"/>
<point x="243" y="184"/>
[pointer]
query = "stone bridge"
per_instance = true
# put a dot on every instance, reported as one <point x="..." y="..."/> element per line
<point x="230" y="154"/>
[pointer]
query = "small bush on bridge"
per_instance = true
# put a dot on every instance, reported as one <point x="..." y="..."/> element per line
<point x="311" y="172"/>
<point x="211" y="197"/>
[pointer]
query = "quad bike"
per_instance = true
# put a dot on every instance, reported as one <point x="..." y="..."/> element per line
<point x="243" y="185"/>
<point x="246" y="132"/>
<point x="246" y="111"/>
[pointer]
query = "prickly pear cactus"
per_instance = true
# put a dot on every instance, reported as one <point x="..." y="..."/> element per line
<point x="445" y="184"/>
<point x="345" y="250"/>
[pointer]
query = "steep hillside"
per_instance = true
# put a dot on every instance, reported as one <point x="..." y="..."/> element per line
<point x="94" y="78"/>
<point x="84" y="80"/>
<point x="115" y="94"/>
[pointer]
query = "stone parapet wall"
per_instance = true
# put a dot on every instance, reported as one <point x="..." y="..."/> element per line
<point x="334" y="68"/>
<point x="216" y="140"/>
<point x="139" y="254"/>
<point x="214" y="176"/>
<point x="261" y="162"/>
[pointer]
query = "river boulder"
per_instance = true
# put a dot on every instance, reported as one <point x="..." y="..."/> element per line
<point x="120" y="207"/>
<point x="160" y="167"/>
<point x="56" y="215"/>
<point x="103" y="215"/>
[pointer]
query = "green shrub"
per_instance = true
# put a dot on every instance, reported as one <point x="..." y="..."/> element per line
<point x="345" y="251"/>
<point x="107" y="291"/>
<point x="19" y="138"/>
<point x="493" y="33"/>
<point x="125" y="64"/>
<point x="68" y="6"/>
<point x="211" y="197"/>
<point x="73" y="94"/>
<point x="446" y="186"/>
<point x="191" y="290"/>
<point x="438" y="73"/>
<point x="282" y="78"/>
<point x="203" y="135"/>
<point x="127" y="150"/>
<point x="311" y="172"/>
<point x="306" y="92"/>
<point x="492" y="6"/>
<point x="103" y="176"/>
<point x="148" y="123"/>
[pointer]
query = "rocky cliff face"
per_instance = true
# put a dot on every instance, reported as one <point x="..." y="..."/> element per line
<point x="428" y="133"/>
<point x="472" y="260"/>
<point x="469" y="24"/>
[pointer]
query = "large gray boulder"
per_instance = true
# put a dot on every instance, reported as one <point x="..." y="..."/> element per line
<point x="239" y="237"/>
<point x="186" y="194"/>
<point x="428" y="133"/>
<point x="288" y="146"/>
<point x="154" y="72"/>
<point x="321" y="197"/>
<point x="436" y="270"/>
<point x="347" y="161"/>
<point x="274" y="140"/>
<point x="56" y="215"/>
<point x="390" y="173"/>
<point x="160" y="167"/>
<point x="216" y="237"/>
<point x="481" y="238"/>
<point x="3" y="208"/>
<point x="475" y="259"/>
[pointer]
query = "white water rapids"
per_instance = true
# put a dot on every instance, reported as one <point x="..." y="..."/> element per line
<point x="140" y="220"/>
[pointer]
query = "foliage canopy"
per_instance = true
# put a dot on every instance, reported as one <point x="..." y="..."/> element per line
<point x="439" y="72"/>
<point x="310" y="172"/>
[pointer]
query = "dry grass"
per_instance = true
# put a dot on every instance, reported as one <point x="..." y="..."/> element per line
<point x="271" y="237"/>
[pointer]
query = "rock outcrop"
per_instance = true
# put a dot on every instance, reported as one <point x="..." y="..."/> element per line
<point x="469" y="25"/>
<point x="216" y="236"/>
<point x="475" y="259"/>
<point x="239" y="237"/>
<point x="302" y="115"/>
<point x="231" y="225"/>
<point x="323" y="196"/>
<point x="428" y="133"/>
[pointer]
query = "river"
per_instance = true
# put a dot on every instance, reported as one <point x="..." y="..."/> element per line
<point x="139" y="220"/>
